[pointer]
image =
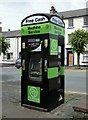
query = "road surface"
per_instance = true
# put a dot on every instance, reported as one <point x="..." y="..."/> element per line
<point x="75" y="80"/>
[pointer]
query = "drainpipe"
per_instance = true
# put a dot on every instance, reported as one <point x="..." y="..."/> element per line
<point x="17" y="47"/>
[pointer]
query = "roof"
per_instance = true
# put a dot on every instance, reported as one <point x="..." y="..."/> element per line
<point x="73" y="13"/>
<point x="11" y="34"/>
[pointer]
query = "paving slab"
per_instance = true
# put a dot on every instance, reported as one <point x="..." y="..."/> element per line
<point x="14" y="109"/>
<point x="82" y="105"/>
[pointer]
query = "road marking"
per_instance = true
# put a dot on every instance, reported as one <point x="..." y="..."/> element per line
<point x="2" y="81"/>
<point x="8" y="67"/>
<point x="73" y="92"/>
<point x="10" y="80"/>
<point x="74" y="70"/>
<point x="16" y="86"/>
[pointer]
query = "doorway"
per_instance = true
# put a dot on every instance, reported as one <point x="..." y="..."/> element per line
<point x="69" y="58"/>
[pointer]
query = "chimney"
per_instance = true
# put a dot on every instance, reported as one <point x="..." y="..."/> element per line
<point x="53" y="10"/>
<point x="8" y="29"/>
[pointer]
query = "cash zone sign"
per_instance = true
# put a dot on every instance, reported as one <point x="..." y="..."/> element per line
<point x="34" y="94"/>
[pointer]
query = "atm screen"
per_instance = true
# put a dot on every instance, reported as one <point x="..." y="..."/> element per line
<point x="35" y="67"/>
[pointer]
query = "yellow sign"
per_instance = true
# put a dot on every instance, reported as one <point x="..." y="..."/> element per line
<point x="23" y="45"/>
<point x="60" y="98"/>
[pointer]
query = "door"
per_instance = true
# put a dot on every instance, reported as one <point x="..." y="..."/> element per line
<point x="70" y="59"/>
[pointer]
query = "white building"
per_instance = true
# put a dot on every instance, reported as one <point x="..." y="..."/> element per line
<point x="76" y="19"/>
<point x="13" y="38"/>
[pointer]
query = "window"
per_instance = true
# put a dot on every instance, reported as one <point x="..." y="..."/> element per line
<point x="70" y="22"/>
<point x="11" y="55"/>
<point x="8" y="56"/>
<point x="85" y="57"/>
<point x="8" y="42"/>
<point x="4" y="57"/>
<point x="69" y="37"/>
<point x="85" y="20"/>
<point x="19" y="54"/>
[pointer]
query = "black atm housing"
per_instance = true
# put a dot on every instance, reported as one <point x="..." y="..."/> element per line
<point x="42" y="48"/>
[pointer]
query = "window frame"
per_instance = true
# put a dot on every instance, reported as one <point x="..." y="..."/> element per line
<point x="5" y="57"/>
<point x="69" y="36"/>
<point x="8" y="41"/>
<point x="85" y="21"/>
<point x="85" y="57"/>
<point x="70" y="22"/>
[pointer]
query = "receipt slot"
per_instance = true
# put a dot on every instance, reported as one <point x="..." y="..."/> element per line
<point x="42" y="47"/>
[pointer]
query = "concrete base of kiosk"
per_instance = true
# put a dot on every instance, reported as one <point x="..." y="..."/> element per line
<point x="34" y="107"/>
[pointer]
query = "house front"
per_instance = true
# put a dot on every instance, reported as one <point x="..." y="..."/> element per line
<point x="74" y="20"/>
<point x="13" y="38"/>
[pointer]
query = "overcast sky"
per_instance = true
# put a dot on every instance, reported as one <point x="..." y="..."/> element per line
<point x="12" y="12"/>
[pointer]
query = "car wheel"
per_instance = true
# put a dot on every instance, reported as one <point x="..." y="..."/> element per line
<point x="18" y="67"/>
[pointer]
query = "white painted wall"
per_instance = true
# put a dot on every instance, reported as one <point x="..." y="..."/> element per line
<point x="78" y="24"/>
<point x="15" y="48"/>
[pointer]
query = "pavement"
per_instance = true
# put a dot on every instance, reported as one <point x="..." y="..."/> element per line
<point x="82" y="105"/>
<point x="11" y="106"/>
<point x="14" y="109"/>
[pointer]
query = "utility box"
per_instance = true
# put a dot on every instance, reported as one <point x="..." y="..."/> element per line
<point x="42" y="47"/>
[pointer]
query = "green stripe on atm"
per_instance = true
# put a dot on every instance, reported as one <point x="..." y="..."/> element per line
<point x="42" y="28"/>
<point x="62" y="70"/>
<point x="52" y="72"/>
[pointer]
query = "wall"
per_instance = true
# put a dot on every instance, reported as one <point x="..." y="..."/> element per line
<point x="78" y="24"/>
<point x="15" y="48"/>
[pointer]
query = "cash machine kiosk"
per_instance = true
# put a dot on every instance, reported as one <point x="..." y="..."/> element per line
<point x="42" y="47"/>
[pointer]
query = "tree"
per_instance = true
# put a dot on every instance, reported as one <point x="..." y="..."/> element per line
<point x="4" y="46"/>
<point x="78" y="41"/>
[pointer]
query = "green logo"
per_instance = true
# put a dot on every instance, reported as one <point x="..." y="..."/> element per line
<point x="33" y="91"/>
<point x="53" y="47"/>
<point x="34" y="94"/>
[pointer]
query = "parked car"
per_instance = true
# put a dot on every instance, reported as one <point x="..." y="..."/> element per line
<point x="18" y="63"/>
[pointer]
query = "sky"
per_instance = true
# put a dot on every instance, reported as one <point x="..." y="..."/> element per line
<point x="12" y="12"/>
